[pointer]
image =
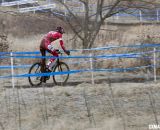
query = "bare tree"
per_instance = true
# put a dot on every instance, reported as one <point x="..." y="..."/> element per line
<point x="4" y="44"/>
<point x="87" y="25"/>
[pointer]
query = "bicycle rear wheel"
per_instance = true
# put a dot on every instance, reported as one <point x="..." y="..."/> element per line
<point x="35" y="80"/>
<point x="61" y="79"/>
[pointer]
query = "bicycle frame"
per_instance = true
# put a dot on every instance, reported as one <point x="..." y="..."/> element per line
<point x="57" y="62"/>
<point x="59" y="66"/>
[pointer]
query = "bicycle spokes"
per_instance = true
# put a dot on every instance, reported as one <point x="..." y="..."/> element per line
<point x="35" y="80"/>
<point x="60" y="78"/>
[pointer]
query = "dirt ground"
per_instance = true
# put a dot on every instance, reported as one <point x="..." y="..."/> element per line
<point x="115" y="106"/>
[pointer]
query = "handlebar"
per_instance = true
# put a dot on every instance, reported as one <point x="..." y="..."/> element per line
<point x="59" y="52"/>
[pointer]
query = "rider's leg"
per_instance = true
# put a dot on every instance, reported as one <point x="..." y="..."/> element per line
<point x="43" y="62"/>
<point x="52" y="61"/>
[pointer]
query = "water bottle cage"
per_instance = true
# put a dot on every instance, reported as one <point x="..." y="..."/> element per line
<point x="52" y="65"/>
<point x="50" y="47"/>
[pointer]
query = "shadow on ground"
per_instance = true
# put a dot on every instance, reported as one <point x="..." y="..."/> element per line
<point x="96" y="81"/>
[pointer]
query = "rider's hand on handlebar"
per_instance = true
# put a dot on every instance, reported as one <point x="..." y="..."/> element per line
<point x="58" y="51"/>
<point x="67" y="52"/>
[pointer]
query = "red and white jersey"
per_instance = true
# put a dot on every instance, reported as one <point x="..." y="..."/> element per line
<point x="52" y="36"/>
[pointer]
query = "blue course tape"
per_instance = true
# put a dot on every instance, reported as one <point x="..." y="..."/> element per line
<point x="4" y="53"/>
<point x="27" y="66"/>
<point x="35" y="52"/>
<point x="123" y="69"/>
<point x="98" y="48"/>
<point x="113" y="47"/>
<point x="112" y="56"/>
<point x="75" y="71"/>
<point x="15" y="66"/>
<point x="64" y="57"/>
<point x="43" y="74"/>
<point x="23" y="57"/>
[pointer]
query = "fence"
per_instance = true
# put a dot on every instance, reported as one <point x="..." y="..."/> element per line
<point x="17" y="3"/>
<point x="92" y="61"/>
<point x="104" y="106"/>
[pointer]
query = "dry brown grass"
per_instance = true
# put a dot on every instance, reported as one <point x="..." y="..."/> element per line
<point x="113" y="107"/>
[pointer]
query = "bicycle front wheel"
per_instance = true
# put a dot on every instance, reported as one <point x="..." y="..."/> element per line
<point x="35" y="80"/>
<point x="61" y="79"/>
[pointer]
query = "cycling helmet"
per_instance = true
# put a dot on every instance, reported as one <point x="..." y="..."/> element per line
<point x="60" y="30"/>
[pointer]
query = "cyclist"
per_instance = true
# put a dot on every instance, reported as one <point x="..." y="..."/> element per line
<point x="46" y="45"/>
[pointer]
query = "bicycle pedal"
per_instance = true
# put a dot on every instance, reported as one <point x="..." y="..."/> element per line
<point x="47" y="77"/>
<point x="43" y="79"/>
<point x="48" y="70"/>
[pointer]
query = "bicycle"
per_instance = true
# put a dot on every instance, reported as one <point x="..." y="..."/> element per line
<point x="58" y="79"/>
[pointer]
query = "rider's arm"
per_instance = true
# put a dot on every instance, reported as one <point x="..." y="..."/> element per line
<point x="62" y="44"/>
<point x="64" y="49"/>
